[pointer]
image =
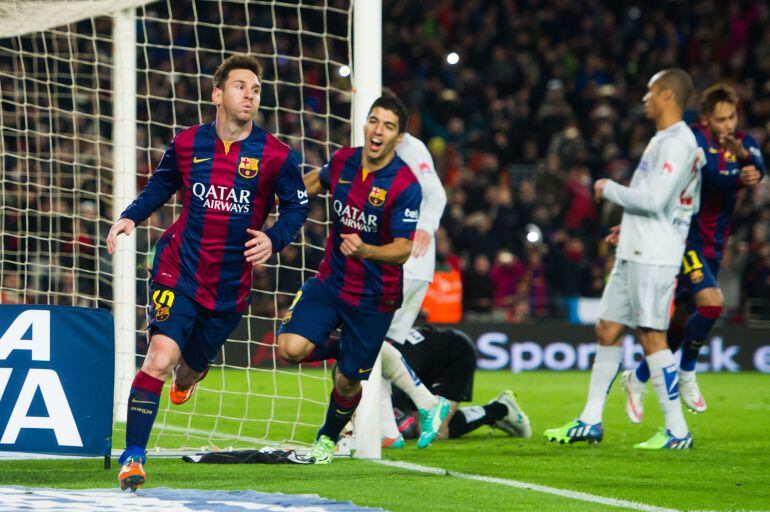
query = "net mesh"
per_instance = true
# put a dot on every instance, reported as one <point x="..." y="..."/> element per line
<point x="57" y="178"/>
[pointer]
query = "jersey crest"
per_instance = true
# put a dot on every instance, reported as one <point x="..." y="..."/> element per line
<point x="249" y="167"/>
<point x="377" y="196"/>
<point x="163" y="300"/>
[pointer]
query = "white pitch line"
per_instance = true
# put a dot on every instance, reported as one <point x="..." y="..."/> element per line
<point x="573" y="495"/>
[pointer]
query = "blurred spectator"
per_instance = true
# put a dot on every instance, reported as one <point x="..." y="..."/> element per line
<point x="478" y="290"/>
<point x="507" y="274"/>
<point x="443" y="302"/>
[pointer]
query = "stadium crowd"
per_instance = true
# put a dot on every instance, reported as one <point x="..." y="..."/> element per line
<point x="544" y="100"/>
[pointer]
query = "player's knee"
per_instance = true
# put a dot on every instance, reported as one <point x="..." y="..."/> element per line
<point x="293" y="349"/>
<point x="709" y="297"/>
<point x="159" y="364"/>
<point x="606" y="333"/>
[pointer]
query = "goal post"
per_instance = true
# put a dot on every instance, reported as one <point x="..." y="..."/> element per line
<point x="90" y="98"/>
<point x="124" y="191"/>
<point x="367" y="87"/>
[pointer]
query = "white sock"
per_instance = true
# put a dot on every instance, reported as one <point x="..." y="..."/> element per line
<point x="395" y="369"/>
<point x="389" y="427"/>
<point x="664" y="376"/>
<point x="603" y="372"/>
<point x="686" y="376"/>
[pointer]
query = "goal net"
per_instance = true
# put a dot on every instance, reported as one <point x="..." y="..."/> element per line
<point x="61" y="127"/>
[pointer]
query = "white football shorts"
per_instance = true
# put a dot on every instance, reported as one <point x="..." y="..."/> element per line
<point x="403" y="320"/>
<point x="639" y="295"/>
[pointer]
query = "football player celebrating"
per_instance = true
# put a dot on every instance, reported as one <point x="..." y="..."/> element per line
<point x="375" y="201"/>
<point x="231" y="170"/>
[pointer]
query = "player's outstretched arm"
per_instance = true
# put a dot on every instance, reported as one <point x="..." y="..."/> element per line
<point x="675" y="167"/>
<point x="394" y="253"/>
<point x="313" y="183"/>
<point x="121" y="226"/>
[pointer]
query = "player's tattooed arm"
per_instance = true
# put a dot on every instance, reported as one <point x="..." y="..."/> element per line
<point x="394" y="253"/>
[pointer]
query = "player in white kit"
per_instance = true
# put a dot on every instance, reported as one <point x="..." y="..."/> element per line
<point x="418" y="274"/>
<point x="658" y="205"/>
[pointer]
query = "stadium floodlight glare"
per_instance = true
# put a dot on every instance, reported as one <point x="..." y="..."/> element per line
<point x="453" y="58"/>
<point x="344" y="71"/>
<point x="534" y="235"/>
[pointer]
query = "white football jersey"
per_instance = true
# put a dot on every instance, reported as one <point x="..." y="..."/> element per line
<point x="412" y="151"/>
<point x="663" y="195"/>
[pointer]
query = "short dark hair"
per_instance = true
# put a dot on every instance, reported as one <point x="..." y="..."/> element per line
<point x="679" y="82"/>
<point x="718" y="93"/>
<point x="390" y="101"/>
<point x="236" y="62"/>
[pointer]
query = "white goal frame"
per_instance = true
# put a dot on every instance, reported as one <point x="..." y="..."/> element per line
<point x="365" y="35"/>
<point x="366" y="79"/>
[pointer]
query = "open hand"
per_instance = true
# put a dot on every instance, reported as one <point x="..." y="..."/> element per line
<point x="121" y="226"/>
<point x="420" y="243"/>
<point x="258" y="248"/>
<point x="614" y="237"/>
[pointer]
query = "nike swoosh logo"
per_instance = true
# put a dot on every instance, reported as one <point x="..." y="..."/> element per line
<point x="197" y="160"/>
<point x="361" y="370"/>
<point x="142" y="402"/>
<point x="343" y="182"/>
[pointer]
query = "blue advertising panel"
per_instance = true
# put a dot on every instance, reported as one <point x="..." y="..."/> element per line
<point x="56" y="379"/>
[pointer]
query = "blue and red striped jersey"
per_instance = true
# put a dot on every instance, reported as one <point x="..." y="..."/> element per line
<point x="229" y="187"/>
<point x="720" y="185"/>
<point x="379" y="206"/>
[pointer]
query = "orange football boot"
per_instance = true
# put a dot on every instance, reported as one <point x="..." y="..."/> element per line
<point x="178" y="396"/>
<point x="132" y="475"/>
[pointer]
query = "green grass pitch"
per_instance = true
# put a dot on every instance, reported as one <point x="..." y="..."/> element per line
<point x="727" y="469"/>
